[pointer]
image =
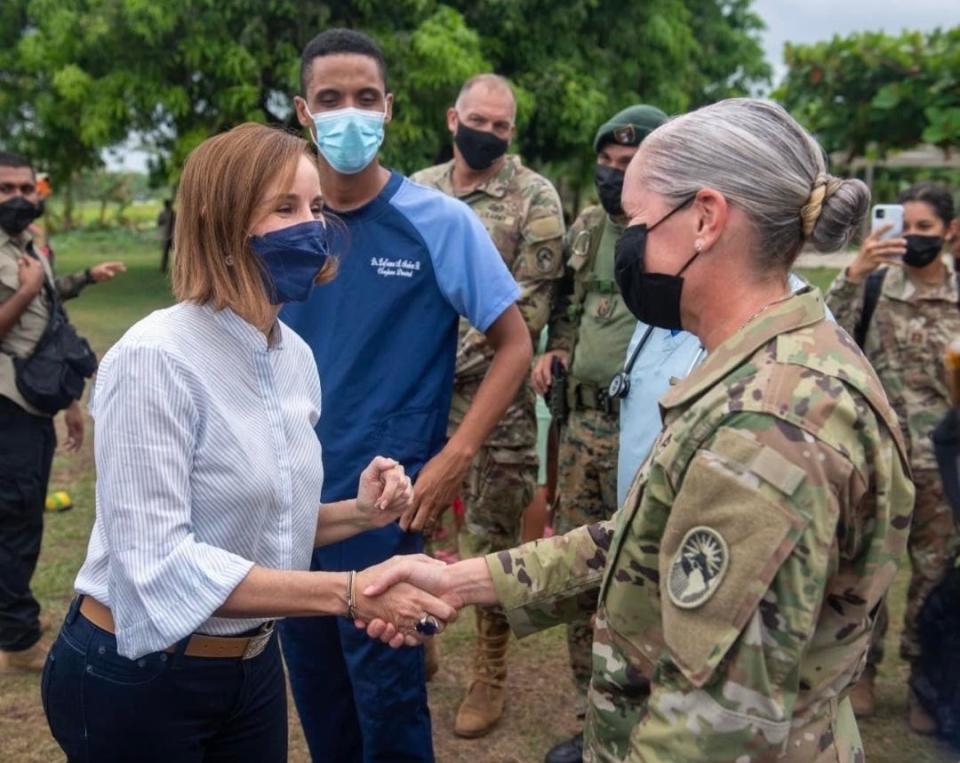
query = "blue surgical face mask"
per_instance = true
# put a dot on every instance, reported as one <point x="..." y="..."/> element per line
<point x="292" y="257"/>
<point x="348" y="138"/>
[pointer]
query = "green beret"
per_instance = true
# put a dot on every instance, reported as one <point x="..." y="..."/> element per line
<point x="629" y="127"/>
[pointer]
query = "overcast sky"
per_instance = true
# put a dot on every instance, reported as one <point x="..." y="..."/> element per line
<point x="790" y="21"/>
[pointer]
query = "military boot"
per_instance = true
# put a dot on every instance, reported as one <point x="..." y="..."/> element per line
<point x="920" y="721"/>
<point x="861" y="698"/>
<point x="28" y="660"/>
<point x="431" y="657"/>
<point x="483" y="705"/>
<point x="570" y="751"/>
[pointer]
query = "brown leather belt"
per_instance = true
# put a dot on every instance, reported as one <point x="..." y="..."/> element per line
<point x="199" y="645"/>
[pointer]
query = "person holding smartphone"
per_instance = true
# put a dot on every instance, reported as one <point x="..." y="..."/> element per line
<point x="915" y="315"/>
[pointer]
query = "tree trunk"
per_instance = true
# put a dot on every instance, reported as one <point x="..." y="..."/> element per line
<point x="68" y="204"/>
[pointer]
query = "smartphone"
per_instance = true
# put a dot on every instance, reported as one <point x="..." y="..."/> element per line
<point x="887" y="214"/>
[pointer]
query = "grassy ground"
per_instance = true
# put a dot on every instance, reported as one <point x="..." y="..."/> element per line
<point x="140" y="215"/>
<point x="540" y="692"/>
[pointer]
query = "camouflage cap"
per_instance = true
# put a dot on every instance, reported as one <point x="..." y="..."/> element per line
<point x="630" y="126"/>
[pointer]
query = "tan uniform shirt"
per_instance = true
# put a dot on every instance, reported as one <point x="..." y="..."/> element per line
<point x="21" y="340"/>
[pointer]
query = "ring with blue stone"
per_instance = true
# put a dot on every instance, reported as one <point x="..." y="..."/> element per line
<point x="428" y="625"/>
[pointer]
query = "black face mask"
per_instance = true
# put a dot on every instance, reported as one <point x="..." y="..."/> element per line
<point x="922" y="250"/>
<point x="480" y="149"/>
<point x="609" y="182"/>
<point x="654" y="298"/>
<point x="17" y="213"/>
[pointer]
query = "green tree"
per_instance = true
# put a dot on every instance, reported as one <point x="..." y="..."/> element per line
<point x="582" y="60"/>
<point x="730" y="60"/>
<point x="871" y="93"/>
<point x="37" y="114"/>
<point x="86" y="74"/>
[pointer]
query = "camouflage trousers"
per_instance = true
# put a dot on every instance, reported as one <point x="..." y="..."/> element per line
<point x="499" y="486"/>
<point x="587" y="493"/>
<point x="932" y="545"/>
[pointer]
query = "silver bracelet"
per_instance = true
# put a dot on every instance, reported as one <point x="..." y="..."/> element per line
<point x="351" y="613"/>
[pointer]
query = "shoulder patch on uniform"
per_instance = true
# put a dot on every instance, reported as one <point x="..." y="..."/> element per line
<point x="581" y="244"/>
<point x="545" y="261"/>
<point x="698" y="567"/>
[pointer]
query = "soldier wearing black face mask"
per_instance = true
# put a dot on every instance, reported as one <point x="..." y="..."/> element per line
<point x="27" y="439"/>
<point x="900" y="298"/>
<point x="522" y="213"/>
<point x="590" y="328"/>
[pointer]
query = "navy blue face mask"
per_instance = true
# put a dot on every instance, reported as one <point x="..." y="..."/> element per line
<point x="292" y="257"/>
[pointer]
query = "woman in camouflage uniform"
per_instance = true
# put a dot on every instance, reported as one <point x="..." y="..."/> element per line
<point x="738" y="584"/>
<point x="913" y="298"/>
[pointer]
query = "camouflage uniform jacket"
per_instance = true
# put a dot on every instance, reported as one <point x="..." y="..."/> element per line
<point x="738" y="583"/>
<point x="585" y="232"/>
<point x="522" y="213"/>
<point x="906" y="342"/>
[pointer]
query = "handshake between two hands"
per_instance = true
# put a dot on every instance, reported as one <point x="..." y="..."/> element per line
<point x="406" y="599"/>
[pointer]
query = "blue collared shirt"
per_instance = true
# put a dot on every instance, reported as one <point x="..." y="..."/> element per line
<point x="666" y="355"/>
<point x="207" y="463"/>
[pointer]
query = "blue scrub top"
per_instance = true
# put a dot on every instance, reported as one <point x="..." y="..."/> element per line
<point x="384" y="331"/>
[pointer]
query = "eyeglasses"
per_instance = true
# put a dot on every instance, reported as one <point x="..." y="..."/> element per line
<point x="625" y="136"/>
<point x="25" y="189"/>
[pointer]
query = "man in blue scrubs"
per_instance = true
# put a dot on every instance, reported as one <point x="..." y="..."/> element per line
<point x="384" y="334"/>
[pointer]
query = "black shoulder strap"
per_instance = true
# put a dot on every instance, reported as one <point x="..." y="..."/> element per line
<point x="871" y="295"/>
<point x="55" y="307"/>
<point x="636" y="350"/>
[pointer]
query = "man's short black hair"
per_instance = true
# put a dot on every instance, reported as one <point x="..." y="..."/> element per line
<point x="335" y="41"/>
<point x="10" y="159"/>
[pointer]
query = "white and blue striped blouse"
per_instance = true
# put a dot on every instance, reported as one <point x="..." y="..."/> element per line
<point x="207" y="462"/>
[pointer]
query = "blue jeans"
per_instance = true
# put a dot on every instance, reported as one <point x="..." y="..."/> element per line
<point x="161" y="707"/>
<point x="359" y="700"/>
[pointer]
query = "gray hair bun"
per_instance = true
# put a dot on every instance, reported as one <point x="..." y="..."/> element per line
<point x="763" y="162"/>
<point x="832" y="214"/>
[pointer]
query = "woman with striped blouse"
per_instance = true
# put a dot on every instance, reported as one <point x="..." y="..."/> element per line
<point x="208" y="491"/>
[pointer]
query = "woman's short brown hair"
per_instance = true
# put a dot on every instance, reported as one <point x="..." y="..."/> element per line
<point x="219" y="200"/>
